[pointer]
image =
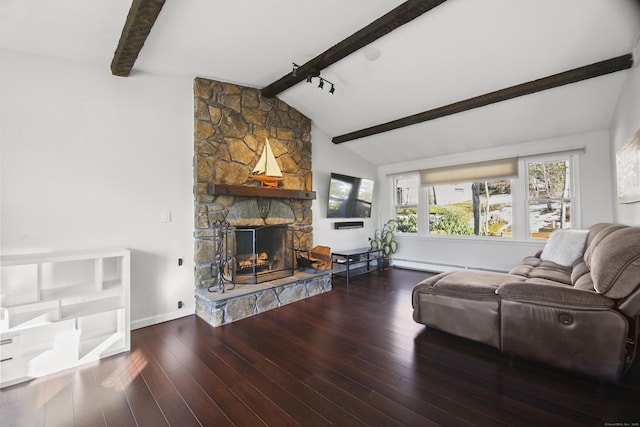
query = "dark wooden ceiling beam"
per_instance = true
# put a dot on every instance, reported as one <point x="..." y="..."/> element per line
<point x="142" y="15"/>
<point x="399" y="16"/>
<point x="572" y="76"/>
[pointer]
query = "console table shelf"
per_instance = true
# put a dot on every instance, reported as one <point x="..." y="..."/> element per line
<point x="354" y="262"/>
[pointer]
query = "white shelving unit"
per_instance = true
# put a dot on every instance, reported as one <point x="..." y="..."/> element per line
<point x="59" y="310"/>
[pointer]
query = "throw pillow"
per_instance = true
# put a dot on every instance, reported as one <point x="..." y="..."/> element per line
<point x="564" y="246"/>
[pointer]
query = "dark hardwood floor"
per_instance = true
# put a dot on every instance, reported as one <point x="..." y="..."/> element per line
<point x="349" y="357"/>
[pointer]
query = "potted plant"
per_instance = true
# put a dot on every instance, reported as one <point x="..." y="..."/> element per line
<point x="384" y="240"/>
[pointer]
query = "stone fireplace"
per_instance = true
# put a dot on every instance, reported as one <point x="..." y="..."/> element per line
<point x="231" y="126"/>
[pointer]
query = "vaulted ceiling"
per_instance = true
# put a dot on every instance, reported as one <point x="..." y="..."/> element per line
<point x="454" y="51"/>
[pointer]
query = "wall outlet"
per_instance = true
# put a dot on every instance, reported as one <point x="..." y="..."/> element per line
<point x="179" y="261"/>
<point x="165" y="216"/>
<point x="180" y="304"/>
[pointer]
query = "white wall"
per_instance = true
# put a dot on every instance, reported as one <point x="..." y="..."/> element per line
<point x="89" y="160"/>
<point x="328" y="157"/>
<point x="625" y="122"/>
<point x="595" y="195"/>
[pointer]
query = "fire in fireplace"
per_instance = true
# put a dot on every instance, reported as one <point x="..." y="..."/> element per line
<point x="263" y="253"/>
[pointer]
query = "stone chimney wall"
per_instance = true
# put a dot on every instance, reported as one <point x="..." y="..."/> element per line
<point x="231" y="125"/>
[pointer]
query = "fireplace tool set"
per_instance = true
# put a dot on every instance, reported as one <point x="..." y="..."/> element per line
<point x="223" y="268"/>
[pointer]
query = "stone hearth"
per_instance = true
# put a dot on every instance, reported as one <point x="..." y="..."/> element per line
<point x="218" y="308"/>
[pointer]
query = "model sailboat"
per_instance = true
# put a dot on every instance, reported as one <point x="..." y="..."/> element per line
<point x="267" y="170"/>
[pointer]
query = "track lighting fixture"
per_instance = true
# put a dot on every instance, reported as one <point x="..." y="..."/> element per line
<point x="323" y="81"/>
<point x="310" y="75"/>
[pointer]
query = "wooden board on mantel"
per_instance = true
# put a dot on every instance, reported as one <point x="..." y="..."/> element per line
<point x="259" y="191"/>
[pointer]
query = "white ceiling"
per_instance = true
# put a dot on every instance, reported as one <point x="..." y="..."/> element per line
<point x="460" y="49"/>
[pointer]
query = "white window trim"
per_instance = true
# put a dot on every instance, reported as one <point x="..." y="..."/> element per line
<point x="394" y="205"/>
<point x="574" y="197"/>
<point x="519" y="194"/>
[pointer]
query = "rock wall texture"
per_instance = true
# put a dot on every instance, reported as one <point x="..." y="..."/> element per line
<point x="231" y="125"/>
<point x="226" y="310"/>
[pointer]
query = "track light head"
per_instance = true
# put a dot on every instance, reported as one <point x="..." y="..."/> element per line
<point x="295" y="70"/>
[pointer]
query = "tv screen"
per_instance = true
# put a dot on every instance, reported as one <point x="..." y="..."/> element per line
<point x="349" y="197"/>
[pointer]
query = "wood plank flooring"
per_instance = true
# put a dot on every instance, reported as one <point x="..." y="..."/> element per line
<point x="350" y="357"/>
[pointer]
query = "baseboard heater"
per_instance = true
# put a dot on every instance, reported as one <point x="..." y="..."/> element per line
<point x="348" y="224"/>
<point x="437" y="267"/>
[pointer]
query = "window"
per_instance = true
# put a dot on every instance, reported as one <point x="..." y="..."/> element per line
<point x="482" y="208"/>
<point x="549" y="196"/>
<point x="520" y="199"/>
<point x="406" y="202"/>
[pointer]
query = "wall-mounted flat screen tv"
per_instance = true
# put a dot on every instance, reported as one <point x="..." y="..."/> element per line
<point x="349" y="197"/>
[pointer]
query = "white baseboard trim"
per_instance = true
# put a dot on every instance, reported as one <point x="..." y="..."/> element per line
<point x="425" y="266"/>
<point x="436" y="267"/>
<point x="153" y="320"/>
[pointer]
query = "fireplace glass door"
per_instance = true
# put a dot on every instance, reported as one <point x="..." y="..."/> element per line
<point x="263" y="253"/>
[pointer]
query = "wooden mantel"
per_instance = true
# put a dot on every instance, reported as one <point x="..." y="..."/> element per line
<point x="259" y="191"/>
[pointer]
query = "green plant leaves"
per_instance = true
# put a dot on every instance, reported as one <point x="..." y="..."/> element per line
<point x="388" y="237"/>
<point x="383" y="239"/>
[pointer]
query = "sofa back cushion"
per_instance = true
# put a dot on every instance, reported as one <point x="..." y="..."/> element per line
<point x="596" y="234"/>
<point x="581" y="276"/>
<point x="613" y="257"/>
<point x="581" y="273"/>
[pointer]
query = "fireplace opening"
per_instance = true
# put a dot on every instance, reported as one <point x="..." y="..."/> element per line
<point x="263" y="253"/>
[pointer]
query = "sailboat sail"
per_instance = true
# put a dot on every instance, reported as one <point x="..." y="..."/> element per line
<point x="267" y="163"/>
<point x="267" y="170"/>
<point x="262" y="163"/>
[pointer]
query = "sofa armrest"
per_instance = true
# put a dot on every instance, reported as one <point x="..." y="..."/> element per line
<point x="552" y="295"/>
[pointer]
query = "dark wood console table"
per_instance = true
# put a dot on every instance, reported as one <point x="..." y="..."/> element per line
<point x="354" y="262"/>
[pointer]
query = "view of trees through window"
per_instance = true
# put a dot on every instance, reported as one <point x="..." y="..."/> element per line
<point x="406" y="203"/>
<point x="472" y="208"/>
<point x="485" y="208"/>
<point x="549" y="197"/>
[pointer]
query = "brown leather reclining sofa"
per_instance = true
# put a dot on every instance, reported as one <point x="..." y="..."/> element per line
<point x="583" y="317"/>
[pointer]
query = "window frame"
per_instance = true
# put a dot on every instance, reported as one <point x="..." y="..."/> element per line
<point x="574" y="190"/>
<point x="471" y="236"/>
<point x="520" y="201"/>
<point x="395" y="206"/>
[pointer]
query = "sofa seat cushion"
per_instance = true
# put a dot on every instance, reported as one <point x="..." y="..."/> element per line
<point x="462" y="303"/>
<point x="541" y="281"/>
<point x="551" y="271"/>
<point x="532" y="267"/>
<point x="473" y="284"/>
<point x="554" y="295"/>
<point x="526" y="266"/>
